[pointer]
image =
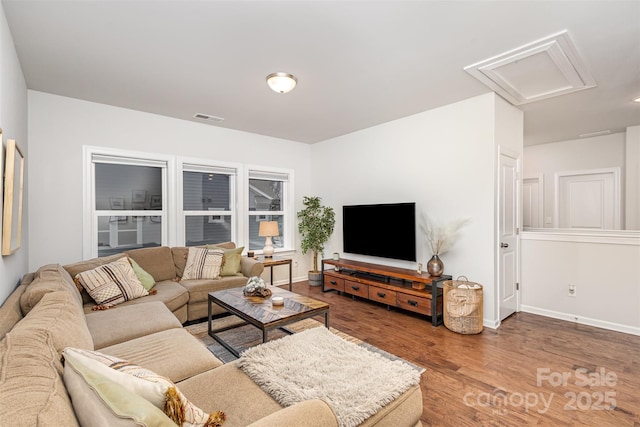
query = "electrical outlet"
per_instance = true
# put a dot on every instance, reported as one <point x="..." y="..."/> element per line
<point x="295" y="263"/>
<point x="572" y="290"/>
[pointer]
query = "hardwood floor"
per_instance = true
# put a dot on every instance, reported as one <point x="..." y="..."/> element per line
<point x="533" y="370"/>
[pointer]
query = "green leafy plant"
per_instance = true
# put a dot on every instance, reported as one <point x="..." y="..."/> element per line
<point x="316" y="225"/>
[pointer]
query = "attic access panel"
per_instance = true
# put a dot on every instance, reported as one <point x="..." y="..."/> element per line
<point x="543" y="69"/>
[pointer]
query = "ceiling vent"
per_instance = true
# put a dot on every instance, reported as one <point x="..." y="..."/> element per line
<point x="543" y="69"/>
<point x="207" y="117"/>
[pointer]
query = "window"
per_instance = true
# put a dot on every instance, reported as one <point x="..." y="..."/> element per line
<point x="127" y="197"/>
<point x="208" y="204"/>
<point x="269" y="199"/>
<point x="135" y="200"/>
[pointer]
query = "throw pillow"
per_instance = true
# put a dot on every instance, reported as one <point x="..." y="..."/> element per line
<point x="145" y="278"/>
<point x="97" y="400"/>
<point x="203" y="263"/>
<point x="231" y="262"/>
<point x="158" y="390"/>
<point x="112" y="283"/>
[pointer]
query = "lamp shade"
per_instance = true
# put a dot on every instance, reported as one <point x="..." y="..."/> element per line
<point x="281" y="82"/>
<point x="268" y="229"/>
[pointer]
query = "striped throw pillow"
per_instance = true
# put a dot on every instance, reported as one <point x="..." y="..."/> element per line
<point x="112" y="284"/>
<point x="203" y="263"/>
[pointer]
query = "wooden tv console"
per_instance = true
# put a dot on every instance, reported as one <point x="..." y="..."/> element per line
<point x="396" y="287"/>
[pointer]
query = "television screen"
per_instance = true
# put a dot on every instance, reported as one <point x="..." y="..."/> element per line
<point x="382" y="230"/>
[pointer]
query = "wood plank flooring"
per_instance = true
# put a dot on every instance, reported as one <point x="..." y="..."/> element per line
<point x="533" y="370"/>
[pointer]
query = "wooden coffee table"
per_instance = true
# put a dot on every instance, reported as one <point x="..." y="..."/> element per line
<point x="260" y="313"/>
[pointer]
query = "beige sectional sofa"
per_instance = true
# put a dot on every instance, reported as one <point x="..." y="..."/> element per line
<point x="187" y="299"/>
<point x="47" y="314"/>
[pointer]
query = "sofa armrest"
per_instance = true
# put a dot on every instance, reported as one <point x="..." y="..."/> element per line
<point x="308" y="413"/>
<point x="251" y="267"/>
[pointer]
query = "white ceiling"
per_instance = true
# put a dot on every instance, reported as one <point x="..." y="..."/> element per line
<point x="358" y="63"/>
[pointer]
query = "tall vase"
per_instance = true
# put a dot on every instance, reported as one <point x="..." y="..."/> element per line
<point x="435" y="266"/>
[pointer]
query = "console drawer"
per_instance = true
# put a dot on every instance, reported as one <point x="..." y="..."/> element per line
<point x="355" y="288"/>
<point x="412" y="303"/>
<point x="331" y="282"/>
<point x="384" y="296"/>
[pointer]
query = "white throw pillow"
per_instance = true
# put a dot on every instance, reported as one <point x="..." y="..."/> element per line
<point x="112" y="284"/>
<point x="203" y="263"/>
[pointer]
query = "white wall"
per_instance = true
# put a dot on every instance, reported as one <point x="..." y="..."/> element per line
<point x="442" y="159"/>
<point x="576" y="154"/>
<point x="13" y="120"/>
<point x="60" y="126"/>
<point x="603" y="267"/>
<point x="632" y="178"/>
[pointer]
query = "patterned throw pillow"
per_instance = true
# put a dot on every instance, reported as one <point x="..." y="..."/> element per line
<point x="158" y="390"/>
<point x="203" y="263"/>
<point x="112" y="283"/>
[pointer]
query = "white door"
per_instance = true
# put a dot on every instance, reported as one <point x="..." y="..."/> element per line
<point x="508" y="235"/>
<point x="588" y="199"/>
<point x="532" y="202"/>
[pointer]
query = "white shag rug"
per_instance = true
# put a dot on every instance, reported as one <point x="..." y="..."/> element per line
<point x="317" y="364"/>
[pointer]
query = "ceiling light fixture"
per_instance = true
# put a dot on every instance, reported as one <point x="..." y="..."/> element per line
<point x="281" y="82"/>
<point x="637" y="100"/>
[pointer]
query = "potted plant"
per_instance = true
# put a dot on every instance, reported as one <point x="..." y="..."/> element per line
<point x="316" y="225"/>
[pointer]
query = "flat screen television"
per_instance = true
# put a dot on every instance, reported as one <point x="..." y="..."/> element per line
<point x="381" y="230"/>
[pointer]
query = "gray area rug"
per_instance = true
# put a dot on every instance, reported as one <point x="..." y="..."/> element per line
<point x="317" y="364"/>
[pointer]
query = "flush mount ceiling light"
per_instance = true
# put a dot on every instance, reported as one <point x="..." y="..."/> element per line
<point x="637" y="100"/>
<point x="281" y="82"/>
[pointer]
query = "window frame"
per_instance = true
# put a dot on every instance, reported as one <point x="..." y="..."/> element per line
<point x="93" y="155"/>
<point x="188" y="164"/>
<point x="287" y="204"/>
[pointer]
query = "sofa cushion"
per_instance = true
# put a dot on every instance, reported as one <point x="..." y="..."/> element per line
<point x="231" y="262"/>
<point x="155" y="388"/>
<point x="90" y="264"/>
<point x="247" y="404"/>
<point x="160" y="352"/>
<point x="10" y="312"/>
<point x="156" y="261"/>
<point x="124" y="323"/>
<point x="48" y="278"/>
<point x="100" y="401"/>
<point x="145" y="278"/>
<point x="203" y="263"/>
<point x="32" y="391"/>
<point x="171" y="293"/>
<point x="199" y="288"/>
<point x="180" y="253"/>
<point x="58" y="318"/>
<point x="113" y="283"/>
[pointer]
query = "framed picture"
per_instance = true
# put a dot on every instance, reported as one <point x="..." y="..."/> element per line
<point x="156" y="201"/>
<point x="139" y="196"/>
<point x="116" y="203"/>
<point x="13" y="186"/>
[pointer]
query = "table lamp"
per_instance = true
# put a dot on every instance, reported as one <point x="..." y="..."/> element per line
<point x="268" y="229"/>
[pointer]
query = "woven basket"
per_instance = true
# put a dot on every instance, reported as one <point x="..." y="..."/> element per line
<point x="462" y="306"/>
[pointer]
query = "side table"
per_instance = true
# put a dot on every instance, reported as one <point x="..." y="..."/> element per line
<point x="276" y="260"/>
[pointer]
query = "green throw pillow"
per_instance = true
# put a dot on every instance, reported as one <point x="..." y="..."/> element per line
<point x="145" y="278"/>
<point x="231" y="263"/>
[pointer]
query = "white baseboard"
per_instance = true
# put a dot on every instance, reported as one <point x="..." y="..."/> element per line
<point x="492" y="324"/>
<point x="633" y="330"/>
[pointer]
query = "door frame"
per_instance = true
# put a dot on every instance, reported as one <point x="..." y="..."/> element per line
<point x="539" y="178"/>
<point x="502" y="151"/>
